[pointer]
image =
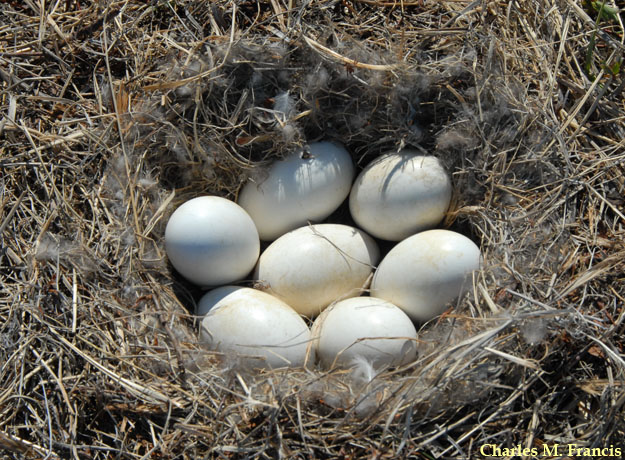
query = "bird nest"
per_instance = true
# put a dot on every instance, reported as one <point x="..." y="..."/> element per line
<point x="113" y="113"/>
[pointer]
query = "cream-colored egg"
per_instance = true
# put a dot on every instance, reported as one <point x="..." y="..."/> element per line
<point x="400" y="194"/>
<point x="308" y="185"/>
<point x="211" y="241"/>
<point x="213" y="297"/>
<point x="364" y="327"/>
<point x="313" y="266"/>
<point x="426" y="272"/>
<point x="261" y="330"/>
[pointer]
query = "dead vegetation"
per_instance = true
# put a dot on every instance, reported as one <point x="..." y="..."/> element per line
<point x="112" y="113"/>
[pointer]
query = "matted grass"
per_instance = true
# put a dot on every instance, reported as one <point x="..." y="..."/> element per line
<point x="113" y="113"/>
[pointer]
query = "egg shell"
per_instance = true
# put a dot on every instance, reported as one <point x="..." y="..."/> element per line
<point x="262" y="330"/>
<point x="313" y="266"/>
<point x="364" y="327"/>
<point x="425" y="272"/>
<point x="212" y="298"/>
<point x="400" y="194"/>
<point x="212" y="241"/>
<point x="308" y="185"/>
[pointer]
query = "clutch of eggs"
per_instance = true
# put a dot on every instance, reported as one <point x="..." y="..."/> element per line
<point x="313" y="266"/>
<point x="258" y="327"/>
<point x="308" y="185"/>
<point x="213" y="241"/>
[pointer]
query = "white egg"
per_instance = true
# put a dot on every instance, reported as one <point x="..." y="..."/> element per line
<point x="262" y="330"/>
<point x="212" y="298"/>
<point x="313" y="266"/>
<point x="309" y="185"/>
<point x="212" y="241"/>
<point x="400" y="194"/>
<point x="426" y="271"/>
<point x="364" y="327"/>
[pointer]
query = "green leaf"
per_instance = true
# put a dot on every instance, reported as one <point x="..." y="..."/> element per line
<point x="605" y="11"/>
<point x="590" y="51"/>
<point x="613" y="69"/>
<point x="616" y="68"/>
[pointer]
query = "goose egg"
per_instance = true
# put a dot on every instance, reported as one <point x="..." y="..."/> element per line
<point x="212" y="298"/>
<point x="309" y="185"/>
<point x="400" y="194"/>
<point x="313" y="266"/>
<point x="364" y="327"/>
<point x="425" y="272"/>
<point x="211" y="241"/>
<point x="263" y="330"/>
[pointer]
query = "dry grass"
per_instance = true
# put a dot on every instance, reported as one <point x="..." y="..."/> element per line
<point x="112" y="113"/>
